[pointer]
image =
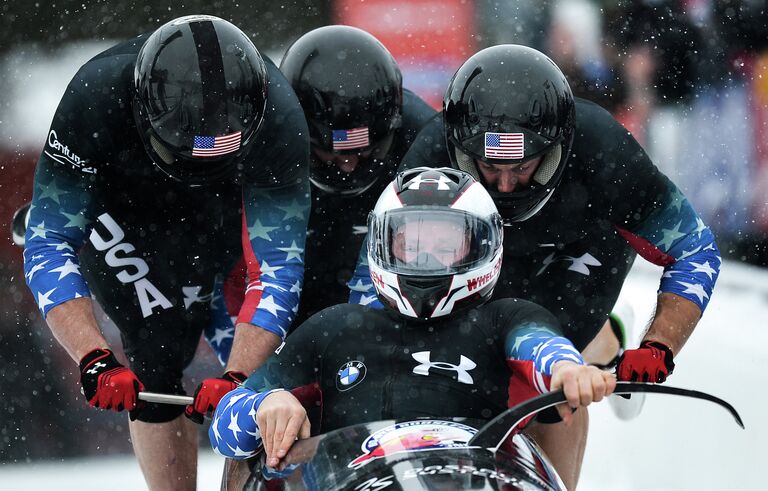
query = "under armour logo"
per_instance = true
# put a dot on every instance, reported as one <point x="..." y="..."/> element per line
<point x="462" y="370"/>
<point x="192" y="295"/>
<point x="578" y="264"/>
<point x="441" y="181"/>
<point x="95" y="368"/>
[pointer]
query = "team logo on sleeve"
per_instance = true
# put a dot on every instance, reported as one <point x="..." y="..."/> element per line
<point x="350" y="374"/>
<point x="413" y="436"/>
<point x="62" y="154"/>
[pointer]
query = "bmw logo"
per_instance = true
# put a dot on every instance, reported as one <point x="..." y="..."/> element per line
<point x="350" y="374"/>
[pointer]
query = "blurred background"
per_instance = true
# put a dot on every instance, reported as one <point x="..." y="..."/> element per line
<point x="689" y="78"/>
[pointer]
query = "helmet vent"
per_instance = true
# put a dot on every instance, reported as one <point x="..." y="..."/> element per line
<point x="466" y="163"/>
<point x="548" y="165"/>
<point x="161" y="151"/>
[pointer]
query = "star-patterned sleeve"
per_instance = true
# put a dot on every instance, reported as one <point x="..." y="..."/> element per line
<point x="60" y="216"/>
<point x="361" y="289"/>
<point x="675" y="237"/>
<point x="274" y="233"/>
<point x="533" y="344"/>
<point x="233" y="432"/>
<point x="646" y="208"/>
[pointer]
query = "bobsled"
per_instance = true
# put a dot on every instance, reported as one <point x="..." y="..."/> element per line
<point x="424" y="454"/>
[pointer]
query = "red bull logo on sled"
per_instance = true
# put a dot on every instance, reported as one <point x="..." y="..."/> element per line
<point x="413" y="436"/>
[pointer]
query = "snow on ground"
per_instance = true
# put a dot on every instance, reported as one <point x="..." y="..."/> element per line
<point x="675" y="443"/>
<point x="113" y="473"/>
<point x="679" y="443"/>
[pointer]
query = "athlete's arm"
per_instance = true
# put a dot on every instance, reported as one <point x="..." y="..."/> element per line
<point x="59" y="223"/>
<point x="240" y="427"/>
<point x="541" y="359"/>
<point x="361" y="289"/>
<point x="61" y="219"/>
<point x="674" y="236"/>
<point x="651" y="213"/>
<point x="274" y="233"/>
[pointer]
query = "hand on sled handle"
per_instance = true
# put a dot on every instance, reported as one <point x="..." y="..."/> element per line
<point x="651" y="362"/>
<point x="582" y="385"/>
<point x="281" y="419"/>
<point x="107" y="384"/>
<point x="209" y="393"/>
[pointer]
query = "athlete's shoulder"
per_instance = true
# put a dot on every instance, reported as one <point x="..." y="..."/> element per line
<point x="508" y="313"/>
<point x="94" y="117"/>
<point x="280" y="154"/>
<point x="512" y="305"/>
<point x="109" y="74"/>
<point x="343" y="321"/>
<point x="345" y="315"/>
<point x="429" y="148"/>
<point x="596" y="130"/>
<point x="416" y="112"/>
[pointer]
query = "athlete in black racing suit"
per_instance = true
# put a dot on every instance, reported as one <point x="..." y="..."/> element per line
<point x="170" y="156"/>
<point x="431" y="354"/>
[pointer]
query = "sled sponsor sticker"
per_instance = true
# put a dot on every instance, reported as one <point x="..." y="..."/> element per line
<point x="413" y="436"/>
<point x="461" y="469"/>
<point x="350" y="374"/>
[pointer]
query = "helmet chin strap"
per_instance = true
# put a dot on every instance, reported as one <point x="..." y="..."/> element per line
<point x="535" y="209"/>
<point x="466" y="163"/>
<point x="161" y="151"/>
<point x="548" y="165"/>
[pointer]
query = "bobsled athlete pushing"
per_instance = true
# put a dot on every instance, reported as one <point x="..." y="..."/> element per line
<point x="401" y="398"/>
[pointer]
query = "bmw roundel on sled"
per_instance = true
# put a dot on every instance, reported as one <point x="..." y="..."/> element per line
<point x="424" y="454"/>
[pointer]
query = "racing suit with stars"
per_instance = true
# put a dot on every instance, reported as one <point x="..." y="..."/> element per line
<point x="573" y="255"/>
<point x="353" y="364"/>
<point x="106" y="222"/>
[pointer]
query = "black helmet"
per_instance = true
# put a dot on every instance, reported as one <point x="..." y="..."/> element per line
<point x="506" y="105"/>
<point x="19" y="224"/>
<point x="434" y="243"/>
<point x="201" y="89"/>
<point x="351" y="90"/>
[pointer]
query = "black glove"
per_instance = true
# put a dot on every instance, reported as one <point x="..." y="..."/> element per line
<point x="209" y="393"/>
<point x="107" y="384"/>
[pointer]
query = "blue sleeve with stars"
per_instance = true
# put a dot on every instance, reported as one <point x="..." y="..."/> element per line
<point x="59" y="222"/>
<point x="361" y="290"/>
<point x="674" y="236"/>
<point x="233" y="432"/>
<point x="274" y="233"/>
<point x="540" y="345"/>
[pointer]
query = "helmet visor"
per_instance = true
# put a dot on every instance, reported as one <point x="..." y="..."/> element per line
<point x="425" y="241"/>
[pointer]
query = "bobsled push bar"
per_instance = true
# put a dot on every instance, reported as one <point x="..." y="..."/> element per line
<point x="166" y="398"/>
<point x="496" y="431"/>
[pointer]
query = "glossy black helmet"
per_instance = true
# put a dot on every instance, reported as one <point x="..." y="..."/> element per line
<point x="506" y="105"/>
<point x="351" y="90"/>
<point x="201" y="89"/>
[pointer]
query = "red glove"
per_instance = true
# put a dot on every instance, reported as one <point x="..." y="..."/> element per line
<point x="209" y="393"/>
<point x="651" y="362"/>
<point x="109" y="385"/>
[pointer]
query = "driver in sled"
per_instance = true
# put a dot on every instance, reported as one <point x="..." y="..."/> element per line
<point x="438" y="350"/>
